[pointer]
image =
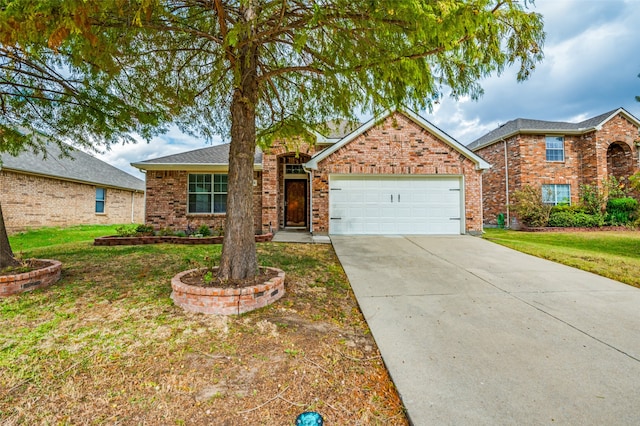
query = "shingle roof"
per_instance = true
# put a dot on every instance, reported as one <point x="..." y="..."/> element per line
<point x="81" y="167"/>
<point x="523" y="125"/>
<point x="212" y="155"/>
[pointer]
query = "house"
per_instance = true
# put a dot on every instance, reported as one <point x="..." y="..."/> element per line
<point x="396" y="174"/>
<point x="557" y="157"/>
<point x="80" y="190"/>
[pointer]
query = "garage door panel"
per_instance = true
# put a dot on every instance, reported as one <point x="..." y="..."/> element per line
<point x="395" y="205"/>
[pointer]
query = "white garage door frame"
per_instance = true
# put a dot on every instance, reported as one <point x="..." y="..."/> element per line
<point x="366" y="204"/>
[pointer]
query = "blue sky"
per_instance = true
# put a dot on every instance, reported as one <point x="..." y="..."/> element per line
<point x="591" y="66"/>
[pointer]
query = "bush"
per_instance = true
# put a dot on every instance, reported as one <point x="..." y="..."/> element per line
<point x="126" y="231"/>
<point x="166" y="232"/>
<point x="529" y="207"/>
<point x="563" y="219"/>
<point x="586" y="220"/>
<point x="592" y="198"/>
<point x="568" y="208"/>
<point x="204" y="231"/>
<point x="620" y="211"/>
<point x="144" y="230"/>
<point x="567" y="218"/>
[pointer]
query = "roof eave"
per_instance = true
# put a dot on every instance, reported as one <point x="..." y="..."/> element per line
<point x="580" y="131"/>
<point x="191" y="167"/>
<point x="84" y="182"/>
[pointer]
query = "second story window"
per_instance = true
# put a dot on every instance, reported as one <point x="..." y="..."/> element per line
<point x="555" y="148"/>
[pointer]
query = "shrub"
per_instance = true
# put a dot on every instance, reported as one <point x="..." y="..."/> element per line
<point x="620" y="211"/>
<point x="563" y="219"/>
<point x="126" y="231"/>
<point x="166" y="232"/>
<point x="204" y="231"/>
<point x="566" y="217"/>
<point x="529" y="207"/>
<point x="144" y="230"/>
<point x="588" y="220"/>
<point x="592" y="198"/>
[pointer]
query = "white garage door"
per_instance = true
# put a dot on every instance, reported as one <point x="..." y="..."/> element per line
<point x="377" y="205"/>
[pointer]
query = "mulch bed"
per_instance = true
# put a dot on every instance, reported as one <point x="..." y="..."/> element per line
<point x="25" y="266"/>
<point x="574" y="229"/>
<point x="197" y="278"/>
<point x="115" y="240"/>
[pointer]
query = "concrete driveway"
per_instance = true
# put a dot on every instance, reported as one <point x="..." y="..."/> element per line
<point x="475" y="333"/>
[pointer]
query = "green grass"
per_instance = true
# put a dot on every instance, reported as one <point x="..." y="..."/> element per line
<point x="43" y="237"/>
<point x="614" y="255"/>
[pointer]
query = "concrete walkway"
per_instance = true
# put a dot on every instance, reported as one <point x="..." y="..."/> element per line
<point x="477" y="334"/>
<point x="299" y="236"/>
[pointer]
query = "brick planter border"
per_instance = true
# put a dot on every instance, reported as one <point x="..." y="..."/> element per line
<point x="132" y="241"/>
<point x="27" y="281"/>
<point x="226" y="301"/>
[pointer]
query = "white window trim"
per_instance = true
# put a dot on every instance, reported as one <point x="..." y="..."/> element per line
<point x="102" y="200"/>
<point x="546" y="149"/>
<point x="213" y="193"/>
<point x="555" y="193"/>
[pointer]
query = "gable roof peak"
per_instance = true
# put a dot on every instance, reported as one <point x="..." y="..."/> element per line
<point x="409" y="114"/>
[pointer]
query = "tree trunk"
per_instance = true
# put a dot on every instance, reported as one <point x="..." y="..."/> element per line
<point x="239" y="259"/>
<point x="6" y="254"/>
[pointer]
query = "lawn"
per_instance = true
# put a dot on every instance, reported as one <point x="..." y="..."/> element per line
<point x="106" y="345"/>
<point x="614" y="255"/>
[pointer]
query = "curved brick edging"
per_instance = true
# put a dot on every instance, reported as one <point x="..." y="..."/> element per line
<point x="27" y="281"/>
<point x="226" y="301"/>
<point x="132" y="241"/>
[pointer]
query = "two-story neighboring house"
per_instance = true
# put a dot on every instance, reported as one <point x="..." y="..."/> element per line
<point x="558" y="157"/>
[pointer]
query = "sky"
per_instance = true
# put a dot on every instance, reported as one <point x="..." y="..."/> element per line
<point x="591" y="66"/>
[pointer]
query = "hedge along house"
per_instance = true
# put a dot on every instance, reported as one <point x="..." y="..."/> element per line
<point x="397" y="174"/>
<point x="557" y="157"/>
<point x="75" y="190"/>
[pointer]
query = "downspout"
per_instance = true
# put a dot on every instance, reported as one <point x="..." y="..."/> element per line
<point x="310" y="173"/>
<point x="506" y="182"/>
<point x="133" y="198"/>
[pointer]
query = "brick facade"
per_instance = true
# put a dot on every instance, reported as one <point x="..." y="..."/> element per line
<point x="273" y="181"/>
<point x="31" y="201"/>
<point x="397" y="146"/>
<point x="167" y="193"/>
<point x="589" y="158"/>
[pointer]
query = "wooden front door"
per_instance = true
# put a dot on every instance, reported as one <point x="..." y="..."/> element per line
<point x="295" y="198"/>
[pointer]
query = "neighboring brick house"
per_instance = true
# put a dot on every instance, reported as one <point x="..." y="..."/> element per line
<point x="397" y="174"/>
<point x="557" y="157"/>
<point x="80" y="190"/>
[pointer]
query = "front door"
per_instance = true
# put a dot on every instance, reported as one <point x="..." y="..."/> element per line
<point x="295" y="199"/>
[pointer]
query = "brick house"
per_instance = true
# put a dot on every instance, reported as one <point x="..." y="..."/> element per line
<point x="558" y="157"/>
<point x="396" y="174"/>
<point x="80" y="190"/>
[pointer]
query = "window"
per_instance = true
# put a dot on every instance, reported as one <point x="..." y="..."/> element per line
<point x="207" y="193"/>
<point x="101" y="196"/>
<point x="556" y="194"/>
<point x="555" y="148"/>
<point x="294" y="169"/>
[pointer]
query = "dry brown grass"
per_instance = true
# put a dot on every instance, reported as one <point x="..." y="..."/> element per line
<point x="106" y="345"/>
